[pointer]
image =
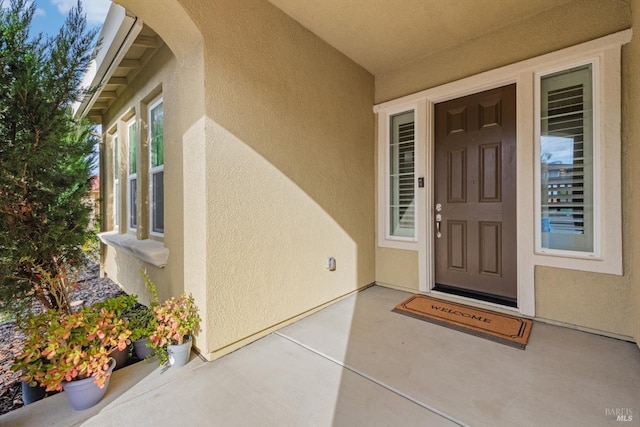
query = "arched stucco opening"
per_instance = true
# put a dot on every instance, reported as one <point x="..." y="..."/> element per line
<point x="170" y="21"/>
<point x="185" y="99"/>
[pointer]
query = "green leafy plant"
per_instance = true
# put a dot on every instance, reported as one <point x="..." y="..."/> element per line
<point x="65" y="347"/>
<point x="151" y="288"/>
<point x="177" y="319"/>
<point x="119" y="305"/>
<point x="142" y="322"/>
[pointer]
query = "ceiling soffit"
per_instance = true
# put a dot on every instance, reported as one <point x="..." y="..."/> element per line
<point x="140" y="52"/>
<point x="384" y="35"/>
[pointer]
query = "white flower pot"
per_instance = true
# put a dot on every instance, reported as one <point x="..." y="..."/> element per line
<point x="179" y="354"/>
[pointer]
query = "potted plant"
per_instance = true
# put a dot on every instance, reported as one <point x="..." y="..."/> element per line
<point x="142" y="324"/>
<point x="31" y="358"/>
<point x="119" y="306"/>
<point x="72" y="352"/>
<point x="60" y="286"/>
<point x="142" y="321"/>
<point x="177" y="320"/>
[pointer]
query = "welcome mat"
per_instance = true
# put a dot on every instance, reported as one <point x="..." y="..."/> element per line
<point x="502" y="328"/>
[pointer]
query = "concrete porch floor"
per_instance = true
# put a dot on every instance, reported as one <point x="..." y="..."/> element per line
<point x="356" y="363"/>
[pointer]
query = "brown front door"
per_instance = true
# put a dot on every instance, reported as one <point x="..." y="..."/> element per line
<point x="475" y="195"/>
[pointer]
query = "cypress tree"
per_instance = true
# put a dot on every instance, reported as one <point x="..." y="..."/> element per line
<point x="45" y="157"/>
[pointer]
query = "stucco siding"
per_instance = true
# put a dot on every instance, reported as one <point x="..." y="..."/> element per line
<point x="631" y="156"/>
<point x="597" y="302"/>
<point x="290" y="177"/>
<point x="397" y="268"/>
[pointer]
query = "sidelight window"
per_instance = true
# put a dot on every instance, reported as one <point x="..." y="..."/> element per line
<point x="566" y="147"/>
<point x="402" y="211"/>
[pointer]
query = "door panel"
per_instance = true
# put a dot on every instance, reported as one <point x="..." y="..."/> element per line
<point x="490" y="173"/>
<point x="491" y="248"/>
<point x="475" y="185"/>
<point x="457" y="176"/>
<point x="457" y="245"/>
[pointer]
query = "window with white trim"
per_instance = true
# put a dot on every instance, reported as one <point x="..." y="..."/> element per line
<point x="401" y="179"/>
<point x="566" y="145"/>
<point x="116" y="182"/>
<point x="132" y="175"/>
<point x="156" y="167"/>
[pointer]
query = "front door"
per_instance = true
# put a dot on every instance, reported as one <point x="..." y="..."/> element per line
<point x="475" y="196"/>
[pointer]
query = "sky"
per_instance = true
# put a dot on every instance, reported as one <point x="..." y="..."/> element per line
<point x="50" y="14"/>
<point x="557" y="149"/>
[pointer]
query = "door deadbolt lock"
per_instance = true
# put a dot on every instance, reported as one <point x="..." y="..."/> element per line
<point x="438" y="220"/>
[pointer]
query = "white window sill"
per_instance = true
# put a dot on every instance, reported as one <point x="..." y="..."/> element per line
<point x="150" y="251"/>
<point x="409" y="245"/>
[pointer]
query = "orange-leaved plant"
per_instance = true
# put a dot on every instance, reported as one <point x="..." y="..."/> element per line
<point x="177" y="319"/>
<point x="65" y="347"/>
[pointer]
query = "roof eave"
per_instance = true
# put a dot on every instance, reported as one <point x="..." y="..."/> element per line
<point x="119" y="31"/>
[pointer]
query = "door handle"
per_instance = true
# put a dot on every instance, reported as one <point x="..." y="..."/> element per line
<point x="438" y="221"/>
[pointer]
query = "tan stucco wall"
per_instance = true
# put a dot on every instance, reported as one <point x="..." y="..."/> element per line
<point x="291" y="179"/>
<point x="278" y="170"/>
<point x="598" y="302"/>
<point x="397" y="268"/>
<point x="631" y="156"/>
<point x="592" y="301"/>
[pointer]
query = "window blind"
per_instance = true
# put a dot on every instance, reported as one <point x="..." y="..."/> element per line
<point x="566" y="160"/>
<point x="565" y="180"/>
<point x="402" y="176"/>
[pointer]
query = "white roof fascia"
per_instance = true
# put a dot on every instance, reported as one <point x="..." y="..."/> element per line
<point x="118" y="34"/>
